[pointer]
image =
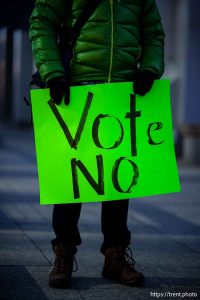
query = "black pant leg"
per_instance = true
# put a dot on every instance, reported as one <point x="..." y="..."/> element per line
<point x="65" y="223"/>
<point x="114" y="217"/>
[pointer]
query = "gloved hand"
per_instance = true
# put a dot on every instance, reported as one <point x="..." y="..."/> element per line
<point x="59" y="87"/>
<point x="143" y="82"/>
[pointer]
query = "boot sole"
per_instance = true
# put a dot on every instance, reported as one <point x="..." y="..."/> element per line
<point x="60" y="284"/>
<point x="137" y="282"/>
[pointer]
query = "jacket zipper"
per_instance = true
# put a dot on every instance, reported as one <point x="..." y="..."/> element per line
<point x="111" y="47"/>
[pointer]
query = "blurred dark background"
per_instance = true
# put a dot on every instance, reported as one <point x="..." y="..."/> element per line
<point x="182" y="51"/>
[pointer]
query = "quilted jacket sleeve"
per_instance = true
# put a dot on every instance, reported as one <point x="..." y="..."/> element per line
<point x="45" y="21"/>
<point x="152" y="56"/>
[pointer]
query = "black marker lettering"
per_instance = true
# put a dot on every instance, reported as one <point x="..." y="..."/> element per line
<point x="115" y="179"/>
<point x="97" y="186"/>
<point x="95" y="130"/>
<point x="133" y="114"/>
<point x="158" y="126"/>
<point x="73" y="142"/>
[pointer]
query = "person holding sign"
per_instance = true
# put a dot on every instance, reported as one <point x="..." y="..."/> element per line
<point x="89" y="42"/>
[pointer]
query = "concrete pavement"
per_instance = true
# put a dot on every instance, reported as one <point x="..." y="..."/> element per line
<point x="165" y="236"/>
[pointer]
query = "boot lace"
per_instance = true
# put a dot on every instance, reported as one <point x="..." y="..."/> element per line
<point x="62" y="261"/>
<point x="128" y="258"/>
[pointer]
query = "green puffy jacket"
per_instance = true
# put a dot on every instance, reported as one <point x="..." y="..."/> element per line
<point x="119" y="37"/>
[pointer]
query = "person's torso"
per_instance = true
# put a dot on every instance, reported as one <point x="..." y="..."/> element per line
<point x="108" y="47"/>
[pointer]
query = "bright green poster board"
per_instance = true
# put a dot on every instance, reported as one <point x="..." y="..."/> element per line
<point x="108" y="144"/>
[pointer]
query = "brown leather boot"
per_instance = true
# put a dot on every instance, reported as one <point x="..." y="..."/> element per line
<point x="119" y="265"/>
<point x="60" y="275"/>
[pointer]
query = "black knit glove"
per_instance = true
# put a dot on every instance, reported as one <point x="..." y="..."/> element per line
<point x="143" y="82"/>
<point x="59" y="88"/>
